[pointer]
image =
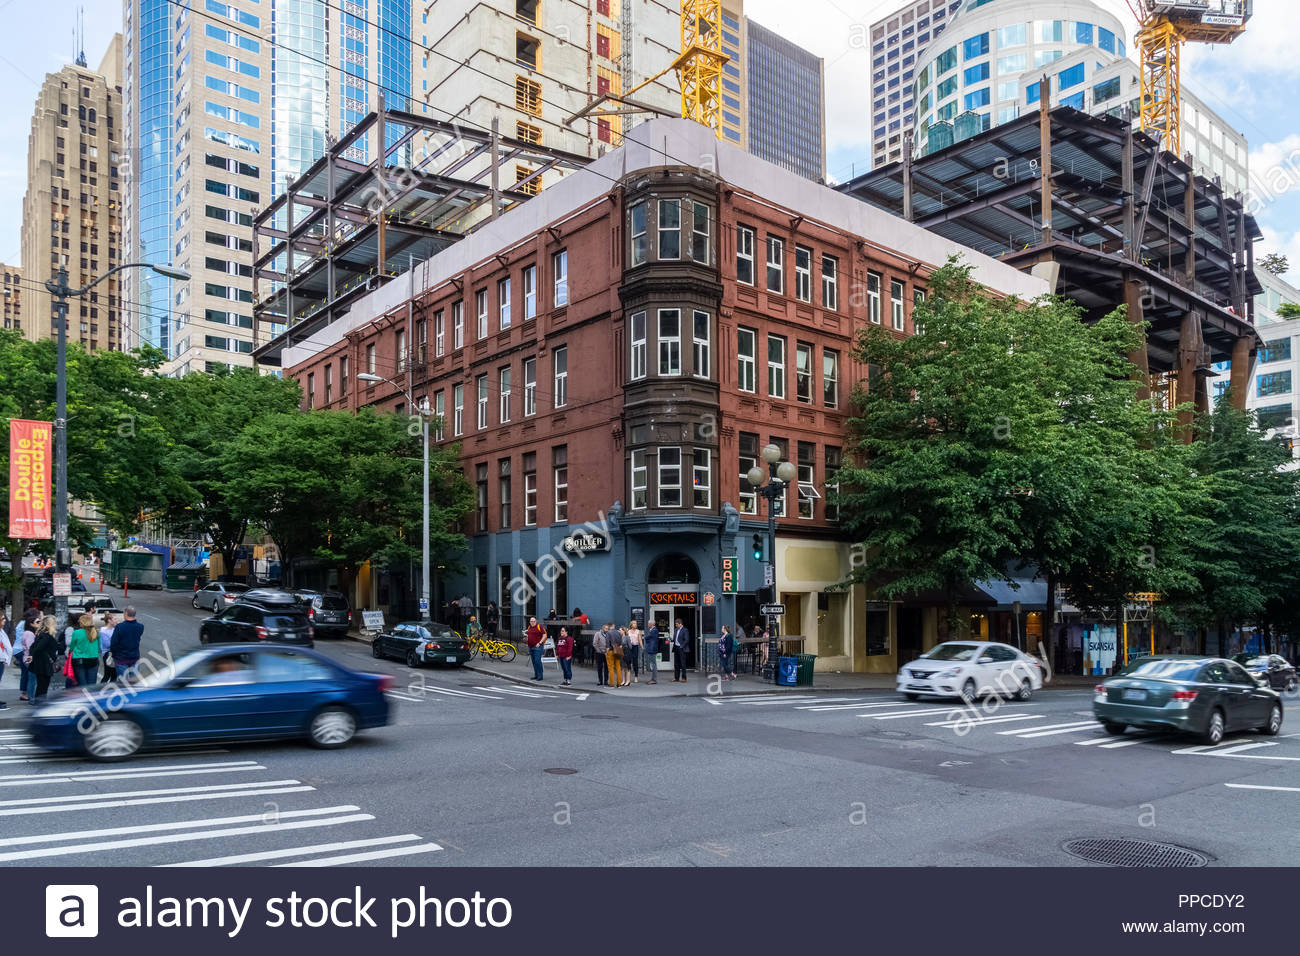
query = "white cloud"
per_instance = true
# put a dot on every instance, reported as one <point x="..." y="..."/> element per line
<point x="1286" y="243"/>
<point x="1274" y="171"/>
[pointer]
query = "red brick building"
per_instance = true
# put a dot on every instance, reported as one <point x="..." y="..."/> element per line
<point x="611" y="357"/>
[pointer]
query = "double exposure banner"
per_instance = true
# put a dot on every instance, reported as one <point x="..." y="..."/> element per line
<point x="30" y="457"/>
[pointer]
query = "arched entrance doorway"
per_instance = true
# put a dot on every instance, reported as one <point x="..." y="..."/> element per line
<point x="673" y="590"/>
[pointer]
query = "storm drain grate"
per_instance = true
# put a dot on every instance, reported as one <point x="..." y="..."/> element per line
<point x="1113" y="852"/>
<point x="600" y="716"/>
<point x="560" y="771"/>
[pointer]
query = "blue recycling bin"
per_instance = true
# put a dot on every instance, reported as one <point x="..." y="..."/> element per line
<point x="787" y="671"/>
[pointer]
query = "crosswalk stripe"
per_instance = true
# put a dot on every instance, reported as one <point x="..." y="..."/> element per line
<point x="457" y="693"/>
<point x="832" y="707"/>
<point x="1260" y="786"/>
<point x="46" y="801"/>
<point x="954" y="709"/>
<point x="1129" y="743"/>
<point x="980" y="721"/>
<point x="259" y="829"/>
<point x="171" y="825"/>
<point x="1054" y="729"/>
<point x="406" y="697"/>
<point x="1243" y="747"/>
<point x="297" y="851"/>
<point x="745" y="698"/>
<point x="124" y="773"/>
<point x="1206" y="748"/>
<point x="1094" y="742"/>
<point x="515" y="692"/>
<point x="102" y="804"/>
<point x="363" y="857"/>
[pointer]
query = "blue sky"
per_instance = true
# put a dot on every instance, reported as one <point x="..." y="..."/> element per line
<point x="1250" y="84"/>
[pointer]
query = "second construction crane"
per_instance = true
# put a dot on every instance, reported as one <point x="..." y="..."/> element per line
<point x="1163" y="28"/>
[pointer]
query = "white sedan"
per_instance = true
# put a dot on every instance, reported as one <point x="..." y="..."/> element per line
<point x="971" y="669"/>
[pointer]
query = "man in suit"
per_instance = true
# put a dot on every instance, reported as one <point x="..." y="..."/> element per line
<point x="651" y="641"/>
<point x="681" y="641"/>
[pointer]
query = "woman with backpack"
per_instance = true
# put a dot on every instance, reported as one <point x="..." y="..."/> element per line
<point x="83" y="648"/>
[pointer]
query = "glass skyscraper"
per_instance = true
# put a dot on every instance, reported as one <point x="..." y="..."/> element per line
<point x="786" y="98"/>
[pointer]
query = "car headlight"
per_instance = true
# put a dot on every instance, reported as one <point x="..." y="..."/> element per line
<point x="63" y="708"/>
<point x="950" y="672"/>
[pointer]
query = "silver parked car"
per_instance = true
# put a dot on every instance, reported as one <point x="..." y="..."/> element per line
<point x="218" y="595"/>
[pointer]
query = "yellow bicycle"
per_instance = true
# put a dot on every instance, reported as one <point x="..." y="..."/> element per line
<point x="495" y="650"/>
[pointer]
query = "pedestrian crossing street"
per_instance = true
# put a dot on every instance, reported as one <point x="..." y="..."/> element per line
<point x="1015" y="722"/>
<point x="417" y="693"/>
<point x="203" y="807"/>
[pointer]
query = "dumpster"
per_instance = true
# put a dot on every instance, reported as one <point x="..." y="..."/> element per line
<point x="138" y="567"/>
<point x="805" y="675"/>
<point x="787" y="671"/>
<point x="181" y="577"/>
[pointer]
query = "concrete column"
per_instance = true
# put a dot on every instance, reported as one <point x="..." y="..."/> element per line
<point x="1133" y="300"/>
<point x="1239" y="380"/>
<point x="1189" y="356"/>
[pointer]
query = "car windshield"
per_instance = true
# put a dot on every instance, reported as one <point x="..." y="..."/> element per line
<point x="951" y="652"/>
<point x="334" y="602"/>
<point x="1247" y="661"/>
<point x="1163" y="669"/>
<point x="161" y="674"/>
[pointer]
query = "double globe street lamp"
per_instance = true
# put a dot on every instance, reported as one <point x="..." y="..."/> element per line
<point x="424" y="421"/>
<point x="58" y="288"/>
<point x="779" y="475"/>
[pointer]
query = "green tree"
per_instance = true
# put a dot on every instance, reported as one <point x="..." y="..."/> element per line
<point x="1005" y="432"/>
<point x="1289" y="310"/>
<point x="1275" y="263"/>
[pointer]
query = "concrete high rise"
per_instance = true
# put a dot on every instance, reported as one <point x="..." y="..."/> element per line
<point x="786" y="103"/>
<point x="72" y="207"/>
<point x="897" y="42"/>
<point x="13" y="297"/>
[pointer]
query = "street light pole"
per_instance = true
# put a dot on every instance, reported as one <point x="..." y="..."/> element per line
<point x="60" y="290"/>
<point x="424" y="431"/>
<point x="779" y="475"/>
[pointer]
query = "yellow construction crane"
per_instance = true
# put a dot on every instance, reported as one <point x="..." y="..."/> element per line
<point x="1163" y="28"/>
<point x="699" y="72"/>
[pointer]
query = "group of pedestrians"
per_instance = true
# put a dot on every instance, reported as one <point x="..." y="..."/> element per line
<point x="37" y="646"/>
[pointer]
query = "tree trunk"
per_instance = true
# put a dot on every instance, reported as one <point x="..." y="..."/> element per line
<point x="1049" y="622"/>
<point x="16" y="589"/>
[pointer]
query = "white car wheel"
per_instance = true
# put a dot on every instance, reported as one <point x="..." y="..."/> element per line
<point x="114" y="738"/>
<point x="332" y="727"/>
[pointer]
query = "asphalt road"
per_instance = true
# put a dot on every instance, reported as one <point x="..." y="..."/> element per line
<point x="461" y="779"/>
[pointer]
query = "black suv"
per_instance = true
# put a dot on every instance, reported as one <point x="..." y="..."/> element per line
<point x="261" y="614"/>
<point x="328" y="611"/>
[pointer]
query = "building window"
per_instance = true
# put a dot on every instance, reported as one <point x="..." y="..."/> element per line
<point x="701" y="343"/>
<point x="803" y="273"/>
<point x="640" y="480"/>
<point x="457" y="325"/>
<point x="530" y="489"/>
<point x="311" y="389"/>
<point x="458" y="410"/>
<point x="440" y="414"/>
<point x="503" y="303"/>
<point x="560" y="387"/>
<point x="807" y="489"/>
<point x="480" y="303"/>
<point x="701" y="213"/>
<point x="637" y="232"/>
<point x="401" y="348"/>
<point x="1277" y="350"/>
<point x="670" y="342"/>
<point x="831" y="378"/>
<point x="503" y="487"/>
<point x="745" y="255"/>
<point x="873" y="297"/>
<point x="832" y="487"/>
<point x="530" y="387"/>
<point x="560" y="269"/>
<point x="896" y="303"/>
<point x="746" y="359"/>
<point x="670" y="229"/>
<point x="748" y="459"/>
<point x="370" y="358"/>
<point x="670" y="477"/>
<point x="343" y="377"/>
<point x="530" y="292"/>
<point x="830" y="283"/>
<point x="1273" y="383"/>
<point x="482" y="383"/>
<point x="560" y="481"/>
<point x="803" y="358"/>
<point x="775" y="366"/>
<point x="701" y="478"/>
<point x="775" y="264"/>
<point x="504" y="378"/>
<point x="637" y="368"/>
<point x="439" y="334"/>
<point x="481" y="477"/>
<point x="329" y="384"/>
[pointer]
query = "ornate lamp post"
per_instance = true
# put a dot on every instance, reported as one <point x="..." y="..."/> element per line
<point x="779" y="475"/>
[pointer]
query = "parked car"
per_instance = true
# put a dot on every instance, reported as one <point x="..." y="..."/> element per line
<point x="1273" y="669"/>
<point x="421" y="642"/>
<point x="245" y="692"/>
<point x="45" y="591"/>
<point x="96" y="605"/>
<point x="218" y="594"/>
<point x="259" y="615"/>
<point x="1201" y="695"/>
<point x="969" y="670"/>
<point x="328" y="610"/>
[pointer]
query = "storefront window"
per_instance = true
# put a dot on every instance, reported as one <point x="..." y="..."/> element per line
<point x="830" y="625"/>
<point x="877" y="619"/>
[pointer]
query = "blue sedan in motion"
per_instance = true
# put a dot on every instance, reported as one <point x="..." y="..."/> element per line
<point x="228" y="693"/>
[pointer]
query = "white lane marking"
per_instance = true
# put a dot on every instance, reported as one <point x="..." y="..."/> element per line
<point x="1130" y="743"/>
<point x="298" y="851"/>
<point x="582" y="696"/>
<point x="29" y="779"/>
<point x="953" y="709"/>
<point x="141" y="801"/>
<point x="1054" y="729"/>
<point x="71" y="798"/>
<point x="1242" y="747"/>
<point x="457" y="693"/>
<point x="170" y="825"/>
<point x="979" y="721"/>
<point x="1098" y="740"/>
<point x="857" y="706"/>
<point x="747" y="698"/>
<point x="510" y="690"/>
<point x="1205" y="748"/>
<point x="527" y="692"/>
<point x="414" y="700"/>
<point x="715" y="703"/>
<point x="1260" y="786"/>
<point x="259" y="829"/>
<point x="363" y="857"/>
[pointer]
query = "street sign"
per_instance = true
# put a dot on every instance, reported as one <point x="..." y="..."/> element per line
<point x="768" y="577"/>
<point x="772" y="609"/>
<point x="424" y="605"/>
<point x="62" y="584"/>
<point x="372" y="620"/>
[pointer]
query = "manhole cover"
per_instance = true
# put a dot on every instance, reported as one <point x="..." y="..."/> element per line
<point x="561" y="771"/>
<point x="600" y="716"/>
<point x="1134" y="853"/>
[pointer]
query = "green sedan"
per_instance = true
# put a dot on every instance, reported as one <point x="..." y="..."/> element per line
<point x="421" y="642"/>
<point x="1207" y="696"/>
